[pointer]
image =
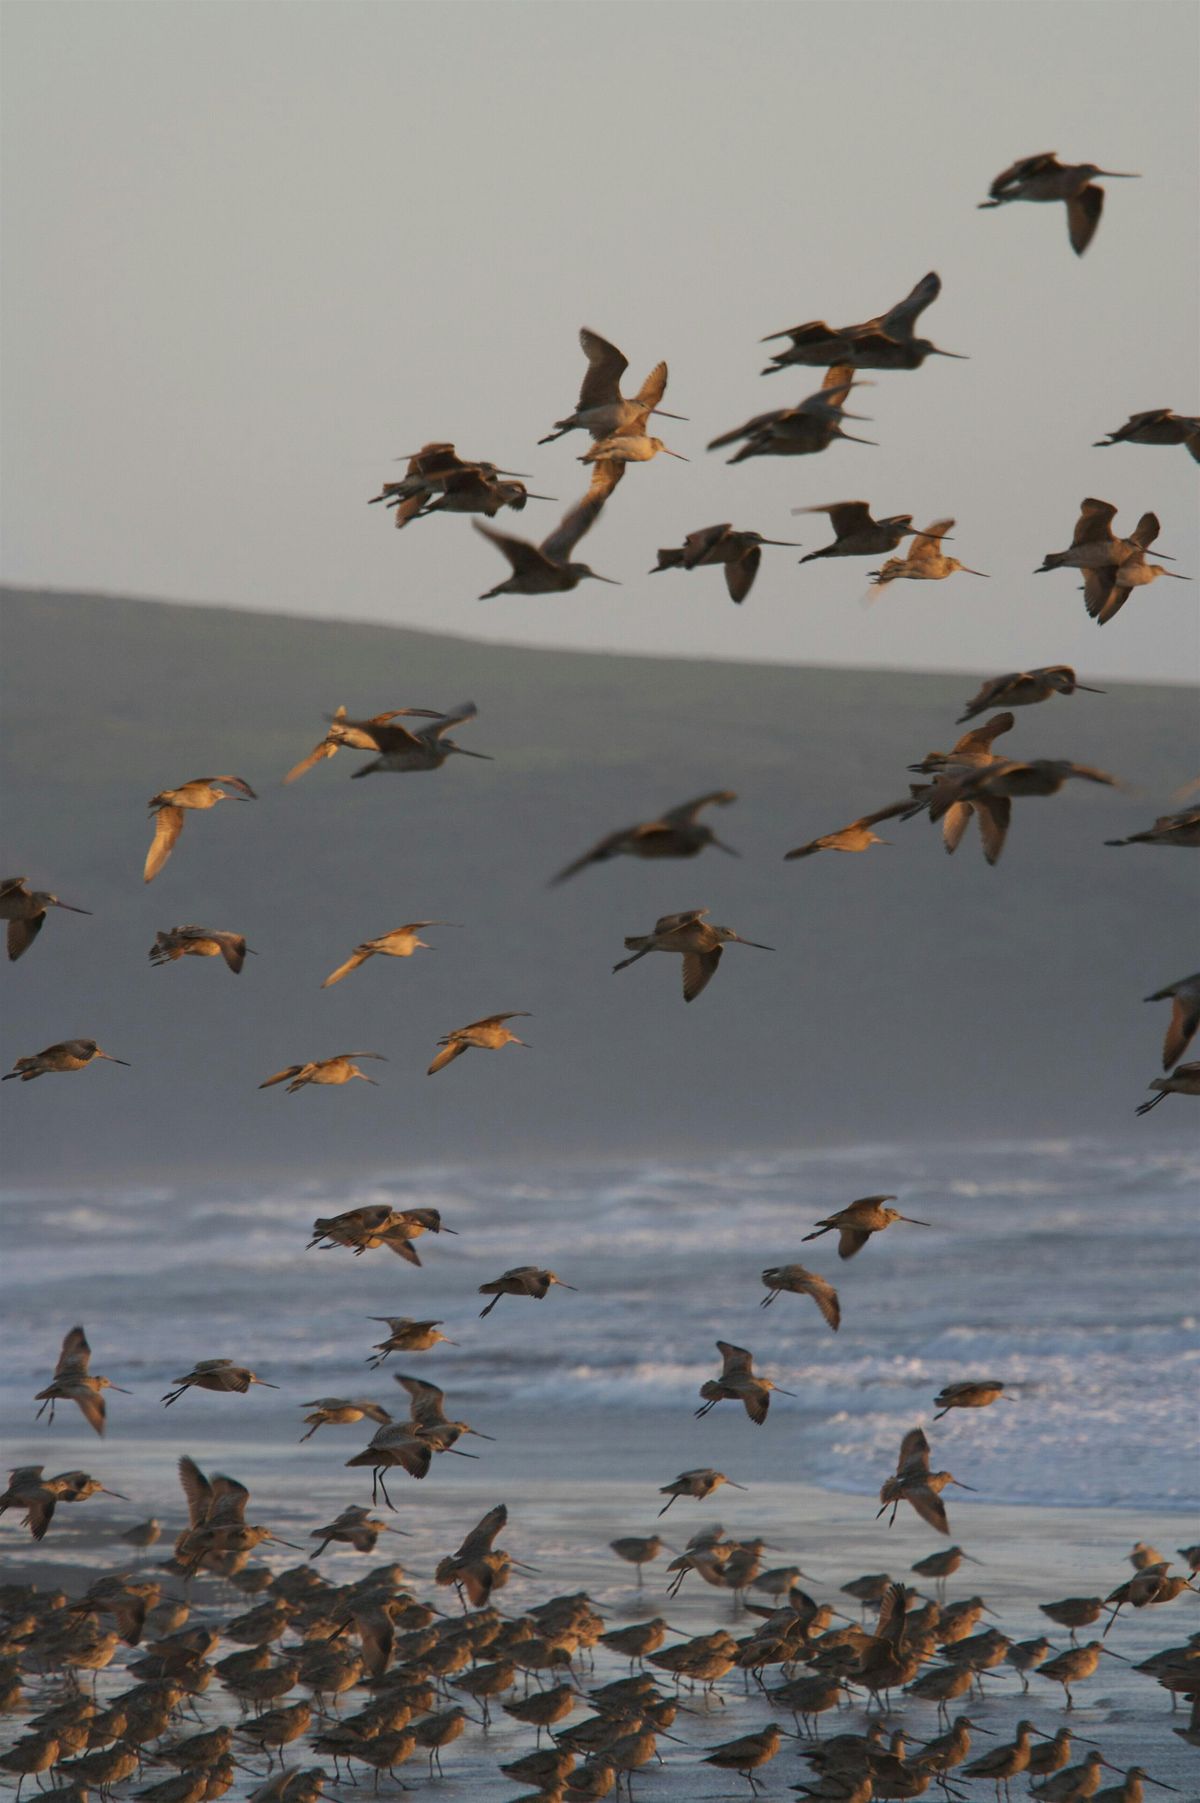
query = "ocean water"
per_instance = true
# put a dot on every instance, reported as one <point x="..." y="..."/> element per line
<point x="1068" y="1270"/>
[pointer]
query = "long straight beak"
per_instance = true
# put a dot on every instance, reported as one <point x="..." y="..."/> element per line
<point x="796" y="544"/>
<point x="120" y="1493"/>
<point x="463" y="752"/>
<point x="727" y="849"/>
<point x="1121" y="175"/>
<point x="523" y="474"/>
<point x="679" y="454"/>
<point x="852" y="439"/>
<point x="780" y="1392"/>
<point x="479" y="1436"/>
<point x="278" y="1541"/>
<point x="609" y="579"/>
<point x="119" y="1390"/>
<point x="71" y="909"/>
<point x="530" y="496"/>
<point x="961" y="1485"/>
<point x="666" y="415"/>
<point x="1108" y="1652"/>
<point x="969" y="572"/>
<point x="1088" y="690"/>
<point x="1174" y="574"/>
<point x="734" y="1486"/>
<point x="113" y="1060"/>
<point x="568" y="1286"/>
<point x="913" y="1222"/>
<point x="1161" y="1786"/>
<point x="959" y="357"/>
<point x="756" y="945"/>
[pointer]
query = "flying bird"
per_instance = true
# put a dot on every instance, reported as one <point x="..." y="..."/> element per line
<point x="886" y="342"/>
<point x="925" y="562"/>
<point x="170" y="805"/>
<point x="690" y="935"/>
<point x="855" y="1224"/>
<point x="401" y="942"/>
<point x="408" y="753"/>
<point x="913" y="1482"/>
<point x="798" y="431"/>
<point x="74" y="1381"/>
<point x="739" y="552"/>
<point x="602" y="410"/>
<point x="25" y="911"/>
<point x="488" y="1035"/>
<point x="522" y="1280"/>
<point x="69" y="1055"/>
<point x="338" y="1069"/>
<point x="1157" y="426"/>
<point x="199" y="942"/>
<point x="1185" y="1016"/>
<point x="1024" y="688"/>
<point x="547" y="569"/>
<point x="676" y="833"/>
<point x="1043" y="177"/>
<point x="739" y="1382"/>
<point x="355" y="735"/>
<point x="798" y="1281"/>
<point x="855" y="837"/>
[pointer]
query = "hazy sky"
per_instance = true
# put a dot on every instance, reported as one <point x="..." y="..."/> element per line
<point x="254" y="251"/>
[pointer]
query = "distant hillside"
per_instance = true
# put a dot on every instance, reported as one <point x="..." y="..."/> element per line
<point x="910" y="995"/>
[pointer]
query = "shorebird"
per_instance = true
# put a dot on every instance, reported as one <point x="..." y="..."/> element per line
<point x="1025" y="1656"/>
<point x="942" y="1565"/>
<point x="676" y="833"/>
<point x="638" y="1551"/>
<point x="1142" y="1554"/>
<point x="746" y="1754"/>
<point x="366" y="1229"/>
<point x="798" y="1281"/>
<point x="1003" y="1763"/>
<point x="855" y="1224"/>
<point x="925" y="562"/>
<point x="522" y="1280"/>
<point x="1043" y="177"/>
<point x="1074" y="1666"/>
<point x="1169" y="829"/>
<point x="699" y="1484"/>
<point x="405" y="1335"/>
<point x="1105" y="604"/>
<point x="401" y="942"/>
<point x="885" y="342"/>
<point x="740" y="552"/>
<point x="1075" y="1783"/>
<point x="477" y="1568"/>
<point x="976" y="780"/>
<point x="1023" y="688"/>
<point x="406" y="753"/>
<point x="1158" y="426"/>
<point x="25" y="911"/>
<point x="1185" y="1016"/>
<point x="145" y="1533"/>
<point x="340" y="1411"/>
<point x="739" y="1382"/>
<point x="800" y="431"/>
<point x="170" y="805"/>
<point x="699" y="943"/>
<point x="628" y="447"/>
<point x="74" y="1382"/>
<point x="914" y="1483"/>
<point x="488" y="1035"/>
<point x="855" y="837"/>
<point x="354" y="735"/>
<point x="215" y="1374"/>
<point x="69" y="1055"/>
<point x="427" y="1417"/>
<point x="856" y="534"/>
<point x="1149" y="1585"/>
<point x="338" y="1069"/>
<point x="547" y="569"/>
<point x="199" y="942"/>
<point x="39" y="1496"/>
<point x="437" y="480"/>
<point x="602" y="410"/>
<point x="968" y="1393"/>
<point x="1184" y="1080"/>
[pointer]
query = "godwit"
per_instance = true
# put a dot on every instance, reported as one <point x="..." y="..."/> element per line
<point x="1025" y="1656"/>
<point x="739" y="1382"/>
<point x="340" y="1411"/>
<point x="855" y="837"/>
<point x="401" y="942"/>
<point x="170" y="805"/>
<point x="885" y="342"/>
<point x="1134" y="572"/>
<point x="914" y="1483"/>
<point x="800" y="431"/>
<point x="1005" y="1762"/>
<point x="1111" y="566"/>
<point x="690" y="935"/>
<point x="855" y="1224"/>
<point x="798" y="1281"/>
<point x="1184" y="1080"/>
<point x="355" y="1527"/>
<point x="739" y="552"/>
<point x="405" y="1335"/>
<point x="408" y="753"/>
<point x="354" y="735"/>
<point x="1185" y="1016"/>
<point x="474" y="1568"/>
<point x="856" y="534"/>
<point x="993" y="813"/>
<point x="216" y="1374"/>
<point x="942" y="1565"/>
<point x="968" y="1393"/>
<point x="73" y="1382"/>
<point x="746" y="1754"/>
<point x="601" y="409"/>
<point x="925" y="562"/>
<point x="1130" y="1789"/>
<point x="68" y="1055"/>
<point x="437" y="480"/>
<point x="1073" y="1612"/>
<point x="1159" y="426"/>
<point x="1043" y="177"/>
<point x="639" y="1551"/>
<point x="698" y="1483"/>
<point x="488" y="1035"/>
<point x="676" y="833"/>
<point x="427" y="1415"/>
<point x="1074" y="1666"/>
<point x="1076" y="1783"/>
<point x="25" y="911"/>
<point x="1169" y="829"/>
<point x="39" y="1496"/>
<point x="199" y="942"/>
<point x="338" y="1069"/>
<point x="628" y="447"/>
<point x="546" y="569"/>
<point x="522" y="1280"/>
<point x="1023" y="688"/>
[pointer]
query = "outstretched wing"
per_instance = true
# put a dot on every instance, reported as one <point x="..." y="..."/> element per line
<point x="22" y="933"/>
<point x="980" y="737"/>
<point x="447" y="1055"/>
<point x="579" y="519"/>
<point x="75" y="1355"/>
<point x="914" y="1452"/>
<point x="653" y="388"/>
<point x="233" y="782"/>
<point x="196" y="1489"/>
<point x="479" y="1540"/>
<point x="686" y="812"/>
<point x="927" y="544"/>
<point x="739" y="576"/>
<point x="292" y="1070"/>
<point x="168" y="824"/>
<point x="358" y="956"/>
<point x="1083" y="216"/>
<point x="526" y="559"/>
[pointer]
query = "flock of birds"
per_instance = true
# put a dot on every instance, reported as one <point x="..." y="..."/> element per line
<point x="421" y="1667"/>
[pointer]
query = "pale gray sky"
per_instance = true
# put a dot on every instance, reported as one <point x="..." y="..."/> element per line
<point x="253" y="251"/>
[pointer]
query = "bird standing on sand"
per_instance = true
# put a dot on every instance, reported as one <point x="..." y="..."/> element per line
<point x="199" y="942"/>
<point x="68" y="1055"/>
<point x="25" y="911"/>
<point x="740" y="553"/>
<point x="676" y="833"/>
<point x="1043" y="177"/>
<point x="690" y="935"/>
<point x="487" y="1035"/>
<point x="855" y="1223"/>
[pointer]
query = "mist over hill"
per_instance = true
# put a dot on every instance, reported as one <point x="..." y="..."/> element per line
<point x="910" y="996"/>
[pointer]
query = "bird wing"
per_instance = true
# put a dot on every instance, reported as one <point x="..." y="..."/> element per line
<point x="899" y="320"/>
<point x="758" y="424"/>
<point x="168" y="824"/>
<point x="698" y="544"/>
<point x="846" y="516"/>
<point x="605" y="848"/>
<point x="914" y="1451"/>
<point x="927" y="545"/>
<point x="326" y="749"/>
<point x="1020" y="171"/>
<point x="22" y="933"/>
<point x="441" y="723"/>
<point x="980" y="737"/>
<point x="358" y="956"/>
<point x="993" y="813"/>
<point x="74" y="1356"/>
<point x="930" y="1508"/>
<point x="1095" y="521"/>
<point x="427" y="1400"/>
<point x="233" y="950"/>
<point x="891" y="812"/>
<point x="850" y="1241"/>
<point x="479" y="1540"/>
<point x="557" y="547"/>
<point x="892" y="1607"/>
<point x="447" y="1055"/>
<point x="670" y="923"/>
<point x="686" y="812"/>
<point x="1146" y="531"/>
<point x="197" y="1491"/>
<point x="233" y="782"/>
<point x="838" y="375"/>
<point x="1185" y="1018"/>
<point x="1083" y="216"/>
<point x="698" y="969"/>
<point x="738" y="1362"/>
<point x="526" y="559"/>
<point x="495" y="1020"/>
<point x="812" y="331"/>
<point x="91" y="1407"/>
<point x="601" y="384"/>
<point x="826" y="1299"/>
<point x="739" y="576"/>
<point x="292" y="1070"/>
<point x="653" y="388"/>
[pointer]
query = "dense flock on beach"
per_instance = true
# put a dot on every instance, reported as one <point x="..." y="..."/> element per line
<point x="227" y="1666"/>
